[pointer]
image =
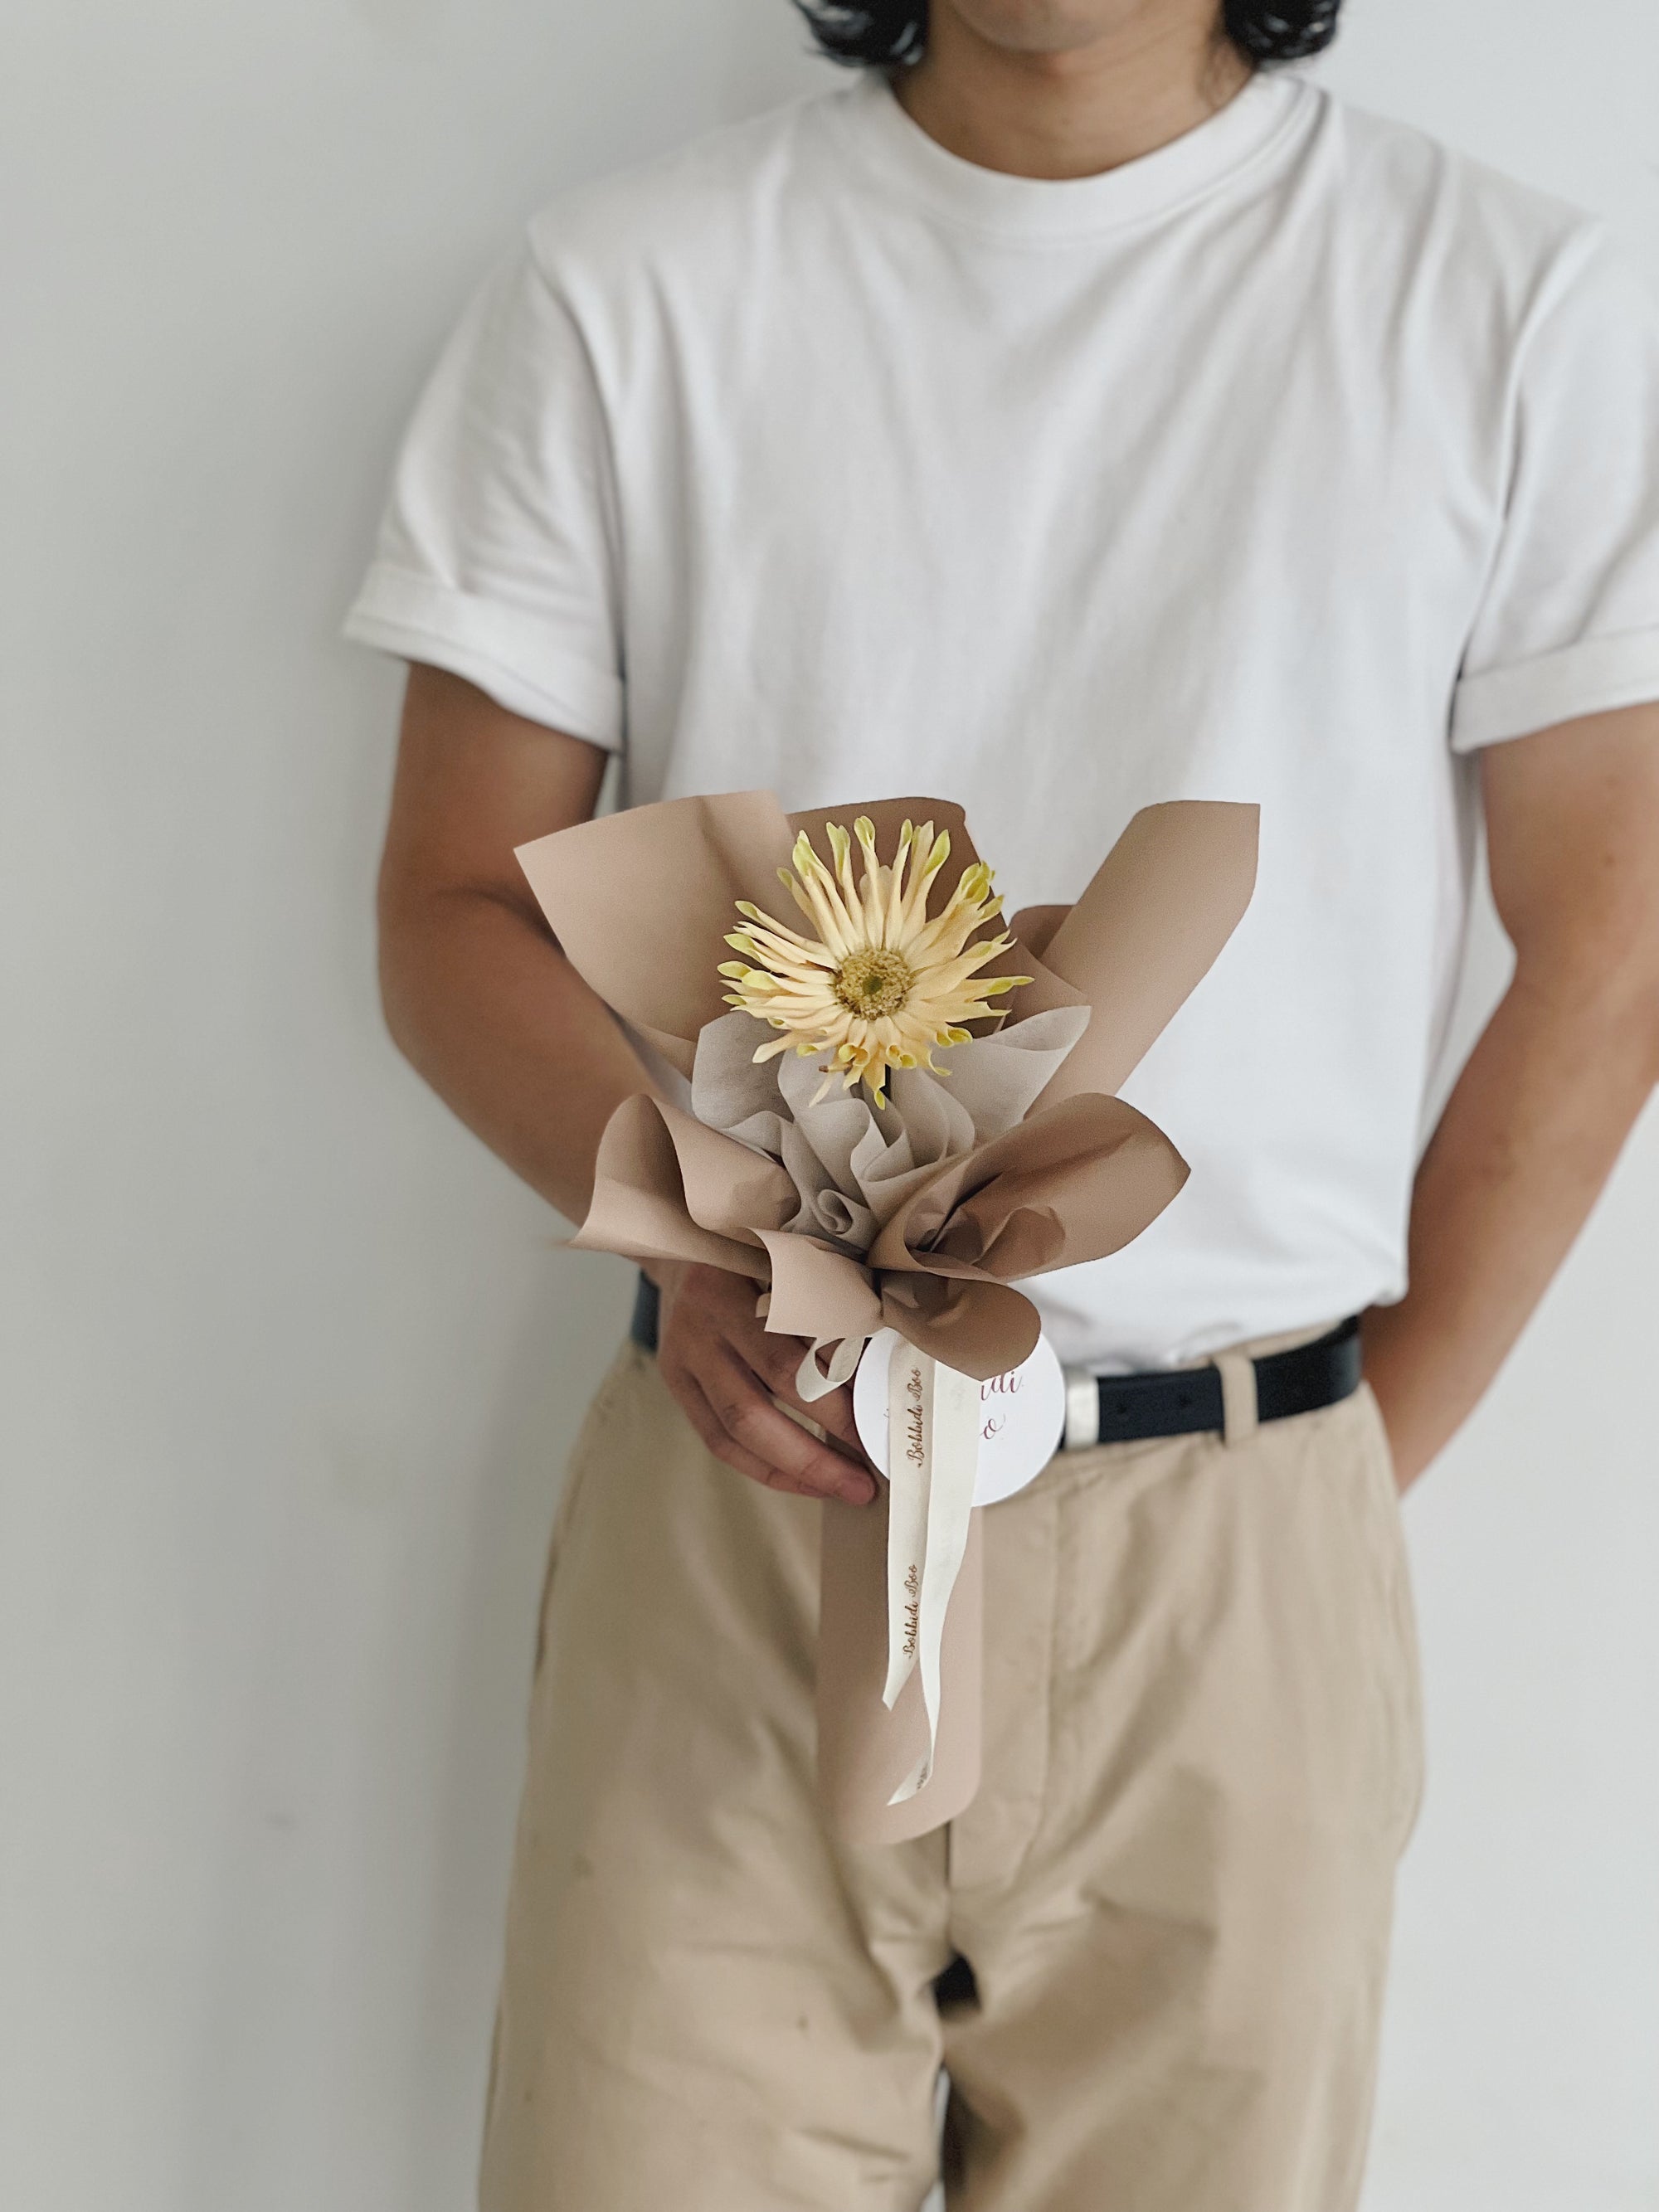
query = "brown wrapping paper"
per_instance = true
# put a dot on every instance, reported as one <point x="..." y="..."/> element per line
<point x="641" y="903"/>
<point x="864" y="1750"/>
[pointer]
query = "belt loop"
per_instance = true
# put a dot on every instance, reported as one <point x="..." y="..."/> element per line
<point x="1240" y="1419"/>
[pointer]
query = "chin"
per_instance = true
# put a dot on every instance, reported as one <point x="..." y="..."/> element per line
<point x="1048" y="27"/>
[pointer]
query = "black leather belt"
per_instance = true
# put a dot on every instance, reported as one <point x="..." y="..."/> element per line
<point x="1178" y="1401"/>
<point x="647" y="1302"/>
<point x="1183" y="1401"/>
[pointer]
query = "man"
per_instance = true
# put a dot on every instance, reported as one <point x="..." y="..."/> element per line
<point x="1070" y="414"/>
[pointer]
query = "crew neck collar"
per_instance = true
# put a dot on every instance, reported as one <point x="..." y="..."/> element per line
<point x="992" y="200"/>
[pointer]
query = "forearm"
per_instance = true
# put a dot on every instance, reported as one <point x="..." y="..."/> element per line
<point x="1529" y="1137"/>
<point x="483" y="1002"/>
<point x="485" y="1005"/>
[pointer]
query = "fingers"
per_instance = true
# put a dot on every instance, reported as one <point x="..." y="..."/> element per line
<point x="727" y="1405"/>
<point x="706" y="1423"/>
<point x="725" y="1371"/>
<point x="744" y="1407"/>
<point x="776" y="1359"/>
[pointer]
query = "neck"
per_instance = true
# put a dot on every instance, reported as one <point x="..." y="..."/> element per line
<point x="1072" y="113"/>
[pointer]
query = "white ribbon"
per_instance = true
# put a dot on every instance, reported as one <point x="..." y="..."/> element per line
<point x="810" y="1380"/>
<point x="932" y="1459"/>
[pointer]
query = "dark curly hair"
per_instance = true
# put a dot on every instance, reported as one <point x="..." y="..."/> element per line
<point x="875" y="31"/>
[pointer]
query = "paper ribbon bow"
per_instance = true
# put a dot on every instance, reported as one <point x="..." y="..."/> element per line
<point x="846" y="1230"/>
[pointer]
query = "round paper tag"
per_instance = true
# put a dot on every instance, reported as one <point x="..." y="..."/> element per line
<point x="1022" y="1417"/>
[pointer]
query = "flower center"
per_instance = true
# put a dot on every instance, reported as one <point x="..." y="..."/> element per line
<point x="873" y="980"/>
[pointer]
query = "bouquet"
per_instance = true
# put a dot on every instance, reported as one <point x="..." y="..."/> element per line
<point x="885" y="1106"/>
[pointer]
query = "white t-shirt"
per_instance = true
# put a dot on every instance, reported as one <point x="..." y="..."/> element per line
<point x="1291" y="463"/>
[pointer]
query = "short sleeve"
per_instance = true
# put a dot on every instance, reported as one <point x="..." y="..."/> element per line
<point x="497" y="553"/>
<point x="1569" y="625"/>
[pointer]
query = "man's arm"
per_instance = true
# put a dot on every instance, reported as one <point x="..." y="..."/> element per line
<point x="477" y="996"/>
<point x="1570" y="1057"/>
<point x="481" y="1000"/>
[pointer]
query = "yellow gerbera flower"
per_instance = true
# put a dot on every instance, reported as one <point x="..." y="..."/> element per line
<point x="880" y="984"/>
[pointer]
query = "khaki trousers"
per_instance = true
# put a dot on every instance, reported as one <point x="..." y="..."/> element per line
<point x="1149" y="1957"/>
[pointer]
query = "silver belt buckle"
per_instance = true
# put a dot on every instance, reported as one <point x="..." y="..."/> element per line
<point x="1082" y="1409"/>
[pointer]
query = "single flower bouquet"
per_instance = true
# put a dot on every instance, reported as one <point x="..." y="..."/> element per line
<point x="885" y="1112"/>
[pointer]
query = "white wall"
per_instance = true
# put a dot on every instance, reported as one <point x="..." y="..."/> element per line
<point x="288" y="1363"/>
<point x="1522" y="2066"/>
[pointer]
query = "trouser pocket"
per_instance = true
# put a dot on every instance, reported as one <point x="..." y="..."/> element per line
<point x="1404" y="1687"/>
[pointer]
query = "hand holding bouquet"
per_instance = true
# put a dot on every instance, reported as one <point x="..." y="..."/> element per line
<point x="883" y="1114"/>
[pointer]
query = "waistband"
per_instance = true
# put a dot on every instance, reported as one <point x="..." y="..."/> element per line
<point x="1230" y="1395"/>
